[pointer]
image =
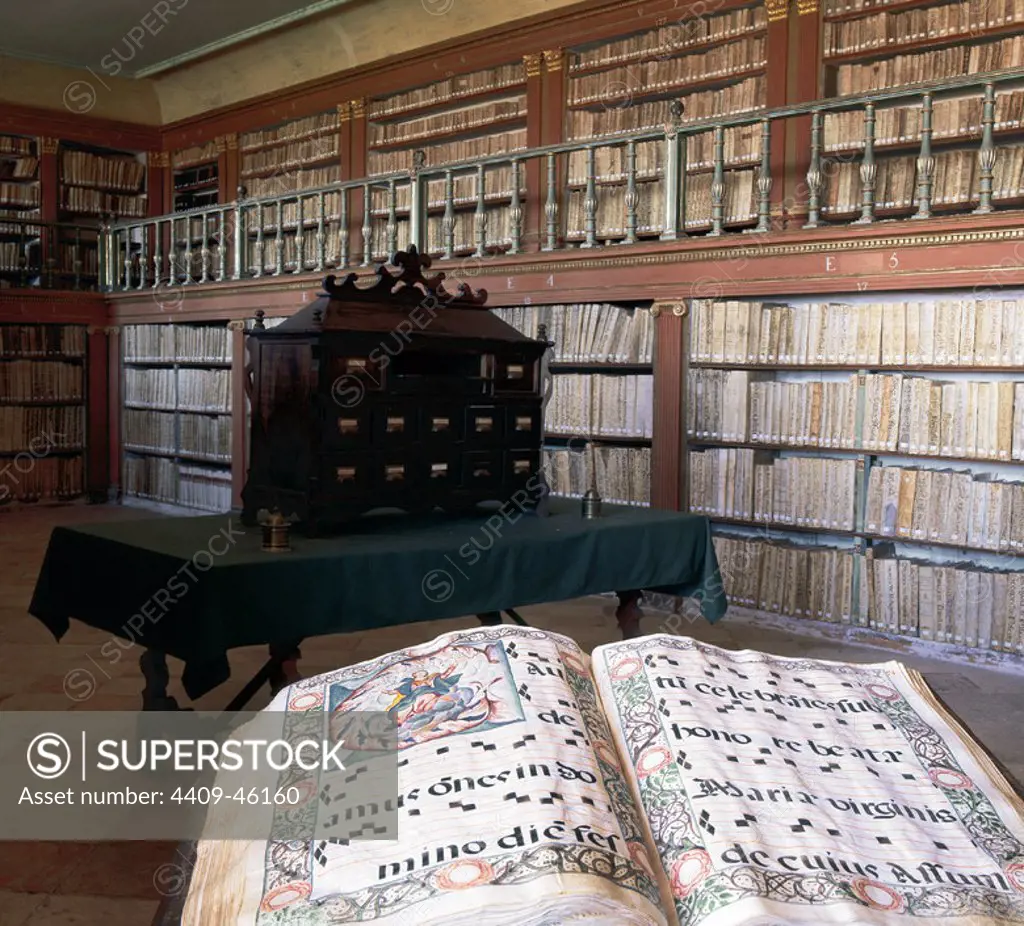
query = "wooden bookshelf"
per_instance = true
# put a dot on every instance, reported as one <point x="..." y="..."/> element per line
<point x="892" y="432"/>
<point x="283" y="160"/>
<point x="601" y="353"/>
<point x="876" y="47"/>
<point x="20" y="200"/>
<point x="195" y="174"/>
<point x="43" y="385"/>
<point x="709" y="64"/>
<point x="176" y="417"/>
<point x="477" y="114"/>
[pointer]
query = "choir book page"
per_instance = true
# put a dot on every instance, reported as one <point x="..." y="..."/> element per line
<point x="511" y="807"/>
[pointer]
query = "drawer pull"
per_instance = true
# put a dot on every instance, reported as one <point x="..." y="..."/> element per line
<point x="520" y="466"/>
<point x="484" y="425"/>
<point x="346" y="474"/>
<point x="394" y="473"/>
<point x="438" y="470"/>
<point x="515" y="371"/>
<point x="524" y="423"/>
<point x="439" y="424"/>
<point x="348" y="425"/>
<point x="396" y="424"/>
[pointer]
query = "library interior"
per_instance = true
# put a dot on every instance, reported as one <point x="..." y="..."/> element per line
<point x="392" y="355"/>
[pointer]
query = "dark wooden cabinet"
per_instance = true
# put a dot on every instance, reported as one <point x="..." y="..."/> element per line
<point x="394" y="395"/>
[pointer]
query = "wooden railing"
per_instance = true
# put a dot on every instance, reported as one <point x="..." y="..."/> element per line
<point x="550" y="198"/>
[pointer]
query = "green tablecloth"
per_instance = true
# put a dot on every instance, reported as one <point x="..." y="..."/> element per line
<point x="193" y="588"/>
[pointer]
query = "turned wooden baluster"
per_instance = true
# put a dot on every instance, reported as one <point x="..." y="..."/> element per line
<point x="515" y="211"/>
<point x="764" y="179"/>
<point x="204" y="252"/>
<point x="551" y="206"/>
<point x="367" y="229"/>
<point x="448" y="221"/>
<point x="392" y="226"/>
<point x="814" y="178"/>
<point x="321" y="237"/>
<point x="480" y="218"/>
<point x="632" y="196"/>
<point x="868" y="169"/>
<point x="987" y="152"/>
<point x="300" y="236"/>
<point x="925" y="162"/>
<point x="718" y="184"/>
<point x="343" y="228"/>
<point x="279" y="237"/>
<point x="590" y="201"/>
<point x="260" y="266"/>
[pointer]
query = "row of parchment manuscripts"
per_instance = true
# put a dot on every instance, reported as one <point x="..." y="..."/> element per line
<point x="197" y="343"/>
<point x="957" y="603"/>
<point x="587" y="333"/>
<point x="191" y="390"/>
<point x="592" y="404"/>
<point x="875" y="412"/>
<point x="40" y="381"/>
<point x="164" y="480"/>
<point x="960" y="509"/>
<point x="622" y="475"/>
<point x="968" y="332"/>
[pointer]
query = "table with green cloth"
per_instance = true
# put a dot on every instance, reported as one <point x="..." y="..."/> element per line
<point x="195" y="587"/>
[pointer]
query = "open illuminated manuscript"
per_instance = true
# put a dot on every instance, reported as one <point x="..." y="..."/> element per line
<point x="661" y="781"/>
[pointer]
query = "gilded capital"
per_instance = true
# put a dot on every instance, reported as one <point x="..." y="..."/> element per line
<point x="532" y="65"/>
<point x="806" y="7"/>
<point x="554" y="59"/>
<point x="677" y="308"/>
<point x="358" y="108"/>
<point x="236" y="324"/>
<point x="49" y="145"/>
<point x="344" y="111"/>
<point x="159" y="159"/>
<point x="776" y="9"/>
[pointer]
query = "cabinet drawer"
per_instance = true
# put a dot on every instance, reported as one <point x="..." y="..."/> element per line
<point x="346" y="475"/>
<point x="485" y="424"/>
<point x="482" y="469"/>
<point x="520" y="465"/>
<point x="523" y="425"/>
<point x="346" y="428"/>
<point x="514" y="374"/>
<point x="395" y="425"/>
<point x="442" y="424"/>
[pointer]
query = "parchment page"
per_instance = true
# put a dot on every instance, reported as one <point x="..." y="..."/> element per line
<point x="798" y="791"/>
<point x="512" y="807"/>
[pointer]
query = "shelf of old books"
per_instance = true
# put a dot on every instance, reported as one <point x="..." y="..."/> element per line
<point x="878" y="440"/>
<point x="462" y="117"/>
<point x="176" y="417"/>
<point x="713" y="64"/>
<point x="302" y="154"/>
<point x="196" y="176"/>
<point x="19" y="201"/>
<point x="42" y="412"/>
<point x="95" y="182"/>
<point x="875" y="47"/>
<point x="598" y="423"/>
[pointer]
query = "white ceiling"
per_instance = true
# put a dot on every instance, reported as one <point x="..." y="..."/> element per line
<point x="138" y="38"/>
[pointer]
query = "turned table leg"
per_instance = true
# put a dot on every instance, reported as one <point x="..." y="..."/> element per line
<point x="628" y="614"/>
<point x="154" y="671"/>
<point x="284" y="670"/>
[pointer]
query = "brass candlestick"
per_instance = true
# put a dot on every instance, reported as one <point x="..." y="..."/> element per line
<point x="275" y="533"/>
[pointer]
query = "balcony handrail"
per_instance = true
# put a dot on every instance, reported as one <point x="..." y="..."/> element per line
<point x="257" y="248"/>
<point x="683" y="128"/>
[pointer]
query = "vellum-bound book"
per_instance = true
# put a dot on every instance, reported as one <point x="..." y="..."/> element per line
<point x="660" y="781"/>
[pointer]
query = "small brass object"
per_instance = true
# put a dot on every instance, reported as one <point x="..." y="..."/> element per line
<point x="591" y="504"/>
<point x="275" y="533"/>
<point x="484" y="424"/>
<point x="524" y="423"/>
<point x="438" y="470"/>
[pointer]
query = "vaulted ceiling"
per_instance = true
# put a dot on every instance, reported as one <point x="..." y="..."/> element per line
<point x="138" y="38"/>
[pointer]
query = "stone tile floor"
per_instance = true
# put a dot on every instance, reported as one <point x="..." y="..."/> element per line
<point x="62" y="884"/>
